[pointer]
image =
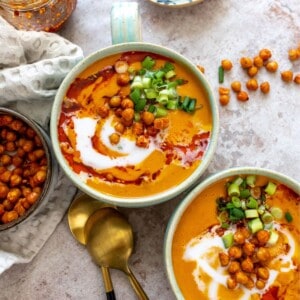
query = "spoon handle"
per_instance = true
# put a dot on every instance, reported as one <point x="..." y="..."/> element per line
<point x="136" y="286"/>
<point x="110" y="294"/>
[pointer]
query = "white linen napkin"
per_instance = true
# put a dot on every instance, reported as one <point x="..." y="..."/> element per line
<point x="32" y="66"/>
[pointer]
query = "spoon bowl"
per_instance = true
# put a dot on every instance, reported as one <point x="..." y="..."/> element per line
<point x="79" y="212"/>
<point x="109" y="240"/>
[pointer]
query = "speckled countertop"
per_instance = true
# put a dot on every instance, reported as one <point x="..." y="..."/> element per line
<point x="264" y="132"/>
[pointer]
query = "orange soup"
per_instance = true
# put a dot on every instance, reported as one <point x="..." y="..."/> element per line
<point x="134" y="124"/>
<point x="239" y="242"/>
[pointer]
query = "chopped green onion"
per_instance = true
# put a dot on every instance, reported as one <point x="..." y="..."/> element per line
<point x="261" y="209"/>
<point x="221" y="74"/>
<point x="140" y="105"/>
<point x="137" y="117"/>
<point x="251" y="213"/>
<point x="150" y="94"/>
<point x="236" y="201"/>
<point x="233" y="190"/>
<point x="276" y="212"/>
<point x="192" y="105"/>
<point x="236" y="214"/>
<point x="135" y="95"/>
<point x="255" y="225"/>
<point x="170" y="74"/>
<point x="152" y="109"/>
<point x="243" y="204"/>
<point x="146" y="82"/>
<point x="148" y="63"/>
<point x="267" y="218"/>
<point x="270" y="188"/>
<point x="225" y="225"/>
<point x="252" y="203"/>
<point x="159" y="74"/>
<point x="162" y="99"/>
<point x="223" y="216"/>
<point x="250" y="180"/>
<point x="245" y="193"/>
<point x="238" y="181"/>
<point x="168" y="67"/>
<point x="288" y="217"/>
<point x="273" y="238"/>
<point x="137" y="83"/>
<point x="172" y="104"/>
<point x="160" y="112"/>
<point x="227" y="240"/>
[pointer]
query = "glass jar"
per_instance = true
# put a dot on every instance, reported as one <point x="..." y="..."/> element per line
<point x="46" y="15"/>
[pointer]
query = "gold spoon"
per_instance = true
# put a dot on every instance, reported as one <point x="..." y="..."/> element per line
<point x="110" y="242"/>
<point x="79" y="212"/>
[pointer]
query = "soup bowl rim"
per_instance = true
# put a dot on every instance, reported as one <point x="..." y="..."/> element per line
<point x="191" y="196"/>
<point x="150" y="199"/>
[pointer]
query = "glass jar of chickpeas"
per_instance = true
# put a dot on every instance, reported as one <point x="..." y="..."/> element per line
<point x="39" y="15"/>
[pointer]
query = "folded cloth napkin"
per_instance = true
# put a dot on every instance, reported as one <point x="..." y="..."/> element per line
<point x="32" y="66"/>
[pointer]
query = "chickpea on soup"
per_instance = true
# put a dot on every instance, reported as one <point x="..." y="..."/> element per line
<point x="134" y="124"/>
<point x="245" y="246"/>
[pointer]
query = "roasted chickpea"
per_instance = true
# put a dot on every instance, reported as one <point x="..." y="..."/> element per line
<point x="258" y="61"/>
<point x="287" y="76"/>
<point x="7" y="205"/>
<point x="236" y="86"/>
<point x="263" y="254"/>
<point x="5" y="159"/>
<point x="15" y="180"/>
<point x="119" y="127"/>
<point x="293" y="54"/>
<point x="19" y="209"/>
<point x="252" y="71"/>
<point x="201" y="69"/>
<point x="224" y="99"/>
<point x="114" y="138"/>
<point x="138" y="128"/>
<point x="5" y="176"/>
<point x="4" y="189"/>
<point x="224" y="259"/>
<point x="142" y="141"/>
<point x="241" y="277"/>
<point x="2" y="149"/>
<point x="263" y="237"/>
<point x="272" y="66"/>
<point x="9" y="216"/>
<point x="121" y="66"/>
<point x="265" y="87"/>
<point x="252" y="84"/>
<point x="224" y="91"/>
<point x="40" y="177"/>
<point x="24" y="202"/>
<point x="263" y="273"/>
<point x="248" y="248"/>
<point x="231" y="283"/>
<point x="297" y="79"/>
<point x="10" y="146"/>
<point x="32" y="197"/>
<point x="13" y="195"/>
<point x="265" y="54"/>
<point x="28" y="146"/>
<point x="246" y="62"/>
<point x="128" y="114"/>
<point x="242" y="96"/>
<point x="234" y="267"/>
<point x="235" y="252"/>
<point x="247" y="265"/>
<point x="127" y="103"/>
<point x="114" y="101"/>
<point x="147" y="117"/>
<point x="123" y="79"/>
<point x="17" y="161"/>
<point x="260" y="284"/>
<point x="239" y="237"/>
<point x="103" y="111"/>
<point x="250" y="283"/>
<point x="226" y="64"/>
